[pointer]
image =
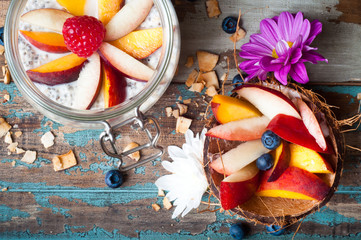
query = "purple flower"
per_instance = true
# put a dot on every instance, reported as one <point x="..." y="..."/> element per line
<point x="282" y="47"/>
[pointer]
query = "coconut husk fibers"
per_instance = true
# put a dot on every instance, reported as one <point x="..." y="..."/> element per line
<point x="281" y="211"/>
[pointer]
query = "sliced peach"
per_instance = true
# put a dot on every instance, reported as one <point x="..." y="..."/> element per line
<point x="281" y="157"/>
<point x="228" y="109"/>
<point x="294" y="183"/>
<point x="140" y="44"/>
<point x="114" y="85"/>
<point x="108" y="8"/>
<point x="49" y="18"/>
<point x="308" y="160"/>
<point x="59" y="71"/>
<point x="128" y="19"/>
<point x="46" y="41"/>
<point x="74" y="7"/>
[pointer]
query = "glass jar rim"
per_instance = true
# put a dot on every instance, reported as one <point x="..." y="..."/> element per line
<point x="170" y="49"/>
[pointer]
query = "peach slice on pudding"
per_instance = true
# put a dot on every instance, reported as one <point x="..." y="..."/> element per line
<point x="127" y="19"/>
<point x="114" y="85"/>
<point x="74" y="7"/>
<point x="226" y="109"/>
<point x="108" y="8"/>
<point x="125" y="63"/>
<point x="308" y="160"/>
<point x="294" y="183"/>
<point x="59" y="71"/>
<point x="46" y="41"/>
<point x="49" y="18"/>
<point x="239" y="187"/>
<point x="142" y="43"/>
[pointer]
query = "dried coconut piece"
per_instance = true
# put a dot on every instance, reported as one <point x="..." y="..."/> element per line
<point x="206" y="61"/>
<point x="18" y="134"/>
<point x="191" y="78"/>
<point x="176" y="113"/>
<point x="8" y="138"/>
<point x="135" y="155"/>
<point x="13" y="163"/>
<point x="19" y="150"/>
<point x="5" y="188"/>
<point x="2" y="50"/>
<point x="155" y="207"/>
<point x="12" y="146"/>
<point x="211" y="79"/>
<point x="160" y="193"/>
<point x="197" y="87"/>
<point x="190" y="61"/>
<point x="240" y="34"/>
<point x="168" y="111"/>
<point x="213" y="10"/>
<point x="7" y="96"/>
<point x="183" y="124"/>
<point x="47" y="139"/>
<point x="211" y="91"/>
<point x="359" y="96"/>
<point x="224" y="77"/>
<point x="64" y="161"/>
<point x="182" y="108"/>
<point x="4" y="127"/>
<point x="187" y="101"/>
<point x="29" y="157"/>
<point x="166" y="203"/>
<point x="7" y="77"/>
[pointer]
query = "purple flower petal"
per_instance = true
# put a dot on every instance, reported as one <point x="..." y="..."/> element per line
<point x="258" y="38"/>
<point x="256" y="49"/>
<point x="316" y="28"/>
<point x="305" y="30"/>
<point x="285" y="24"/>
<point x="297" y="26"/>
<point x="248" y="55"/>
<point x="299" y="73"/>
<point x="282" y="48"/>
<point x="248" y="64"/>
<point x="313" y="57"/>
<point x="267" y="65"/>
<point x="270" y="30"/>
<point x="298" y="42"/>
<point x="282" y="74"/>
<point x="296" y="55"/>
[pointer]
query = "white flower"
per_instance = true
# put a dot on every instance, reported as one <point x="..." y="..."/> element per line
<point x="187" y="183"/>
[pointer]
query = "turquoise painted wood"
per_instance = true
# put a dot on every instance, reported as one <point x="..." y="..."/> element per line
<point x="75" y="204"/>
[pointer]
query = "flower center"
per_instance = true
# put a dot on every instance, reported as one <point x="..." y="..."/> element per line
<point x="274" y="53"/>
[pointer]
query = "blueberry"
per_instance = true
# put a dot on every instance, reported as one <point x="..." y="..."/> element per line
<point x="237" y="81"/>
<point x="114" y="178"/>
<point x="237" y="231"/>
<point x="275" y="230"/>
<point x="270" y="140"/>
<point x="229" y="24"/>
<point x="264" y="162"/>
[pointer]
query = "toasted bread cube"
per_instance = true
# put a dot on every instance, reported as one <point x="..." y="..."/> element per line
<point x="240" y="34"/>
<point x="64" y="161"/>
<point x="182" y="108"/>
<point x="168" y="111"/>
<point x="197" y="87"/>
<point x="47" y="139"/>
<point x="213" y="8"/>
<point x="183" y="124"/>
<point x="166" y="203"/>
<point x="4" y="127"/>
<point x="135" y="155"/>
<point x="211" y="79"/>
<point x="192" y="78"/>
<point x="29" y="157"/>
<point x="8" y="138"/>
<point x="176" y="113"/>
<point x="155" y="207"/>
<point x="206" y="61"/>
<point x="190" y="61"/>
<point x="211" y="91"/>
<point x="160" y="193"/>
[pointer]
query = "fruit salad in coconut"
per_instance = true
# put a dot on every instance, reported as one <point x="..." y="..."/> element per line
<point x="90" y="54"/>
<point x="272" y="149"/>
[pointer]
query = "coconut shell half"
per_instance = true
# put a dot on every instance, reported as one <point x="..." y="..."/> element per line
<point x="281" y="211"/>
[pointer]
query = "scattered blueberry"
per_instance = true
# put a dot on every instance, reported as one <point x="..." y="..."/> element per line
<point x="237" y="231"/>
<point x="2" y="36"/>
<point x="114" y="178"/>
<point x="237" y="81"/>
<point x="264" y="162"/>
<point x="270" y="140"/>
<point x="229" y="24"/>
<point x="275" y="230"/>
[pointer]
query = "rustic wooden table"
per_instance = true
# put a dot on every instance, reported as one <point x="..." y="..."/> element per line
<point x="75" y="203"/>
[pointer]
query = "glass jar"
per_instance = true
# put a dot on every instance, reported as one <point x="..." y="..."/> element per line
<point x="92" y="119"/>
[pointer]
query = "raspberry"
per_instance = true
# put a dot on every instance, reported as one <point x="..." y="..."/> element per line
<point x="83" y="35"/>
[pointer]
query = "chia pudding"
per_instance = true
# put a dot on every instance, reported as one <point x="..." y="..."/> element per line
<point x="63" y="94"/>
